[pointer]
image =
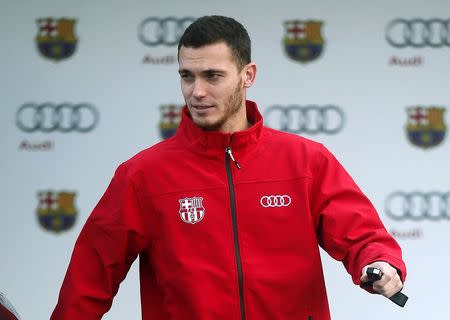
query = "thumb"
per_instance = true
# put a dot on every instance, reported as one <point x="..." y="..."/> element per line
<point x="364" y="277"/>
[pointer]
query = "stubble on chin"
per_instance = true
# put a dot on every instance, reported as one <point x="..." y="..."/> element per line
<point x="203" y="123"/>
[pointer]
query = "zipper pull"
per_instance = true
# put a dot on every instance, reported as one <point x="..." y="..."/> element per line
<point x="228" y="151"/>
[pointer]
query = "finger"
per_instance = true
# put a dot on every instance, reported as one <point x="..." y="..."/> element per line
<point x="395" y="285"/>
<point x="388" y="288"/>
<point x="364" y="278"/>
<point x="383" y="282"/>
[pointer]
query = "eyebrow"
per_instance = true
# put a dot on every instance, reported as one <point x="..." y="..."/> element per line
<point x="183" y="71"/>
<point x="204" y="72"/>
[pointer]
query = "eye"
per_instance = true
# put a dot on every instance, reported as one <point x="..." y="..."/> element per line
<point x="213" y="76"/>
<point x="187" y="77"/>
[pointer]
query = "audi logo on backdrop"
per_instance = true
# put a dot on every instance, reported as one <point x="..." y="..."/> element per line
<point x="154" y="31"/>
<point x="50" y="117"/>
<point x="310" y="119"/>
<point x="417" y="206"/>
<point x="418" y="33"/>
<point x="275" y="201"/>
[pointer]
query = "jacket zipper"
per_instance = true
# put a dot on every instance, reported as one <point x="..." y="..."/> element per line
<point x="228" y="158"/>
<point x="230" y="155"/>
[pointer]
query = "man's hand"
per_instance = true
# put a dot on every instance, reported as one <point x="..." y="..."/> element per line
<point x="389" y="284"/>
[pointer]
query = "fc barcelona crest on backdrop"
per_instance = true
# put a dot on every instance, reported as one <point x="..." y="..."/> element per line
<point x="56" y="39"/>
<point x="303" y="41"/>
<point x="191" y="209"/>
<point x="426" y="127"/>
<point x="56" y="210"/>
<point x="170" y="119"/>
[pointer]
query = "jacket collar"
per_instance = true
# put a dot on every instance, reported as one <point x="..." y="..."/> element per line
<point x="201" y="140"/>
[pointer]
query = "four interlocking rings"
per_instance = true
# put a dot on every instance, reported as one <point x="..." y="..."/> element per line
<point x="154" y="31"/>
<point x="418" y="33"/>
<point x="418" y="206"/>
<point x="49" y="117"/>
<point x="275" y="201"/>
<point x="306" y="119"/>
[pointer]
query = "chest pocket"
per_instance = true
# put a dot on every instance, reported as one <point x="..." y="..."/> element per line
<point x="274" y="216"/>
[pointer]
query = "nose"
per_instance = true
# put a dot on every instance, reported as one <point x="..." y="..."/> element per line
<point x="199" y="90"/>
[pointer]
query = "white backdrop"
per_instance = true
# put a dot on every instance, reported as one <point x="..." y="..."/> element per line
<point x="358" y="71"/>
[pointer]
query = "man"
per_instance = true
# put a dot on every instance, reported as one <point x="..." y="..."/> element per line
<point x="228" y="215"/>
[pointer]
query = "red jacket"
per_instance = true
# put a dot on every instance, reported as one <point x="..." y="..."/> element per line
<point x="218" y="242"/>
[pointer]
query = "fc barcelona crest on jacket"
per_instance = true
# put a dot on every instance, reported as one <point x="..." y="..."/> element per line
<point x="303" y="41"/>
<point x="56" y="210"/>
<point x="56" y="39"/>
<point x="426" y="127"/>
<point x="170" y="119"/>
<point x="191" y="209"/>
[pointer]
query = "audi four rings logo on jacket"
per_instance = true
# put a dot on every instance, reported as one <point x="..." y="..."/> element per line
<point x="218" y="241"/>
<point x="418" y="33"/>
<point x="275" y="201"/>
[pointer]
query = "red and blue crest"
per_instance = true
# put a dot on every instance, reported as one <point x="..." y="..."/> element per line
<point x="170" y="120"/>
<point x="303" y="40"/>
<point x="56" y="210"/>
<point x="56" y="39"/>
<point x="426" y="127"/>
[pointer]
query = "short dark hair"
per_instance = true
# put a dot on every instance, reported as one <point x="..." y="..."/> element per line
<point x="214" y="29"/>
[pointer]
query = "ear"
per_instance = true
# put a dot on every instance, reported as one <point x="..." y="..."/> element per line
<point x="249" y="74"/>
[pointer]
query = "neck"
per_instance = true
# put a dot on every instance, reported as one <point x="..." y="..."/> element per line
<point x="238" y="122"/>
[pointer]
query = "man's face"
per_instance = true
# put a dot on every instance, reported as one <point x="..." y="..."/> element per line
<point x="212" y="87"/>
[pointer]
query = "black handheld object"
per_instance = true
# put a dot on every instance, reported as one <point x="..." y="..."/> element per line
<point x="375" y="274"/>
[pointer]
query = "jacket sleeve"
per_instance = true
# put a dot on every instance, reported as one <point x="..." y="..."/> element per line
<point x="347" y="224"/>
<point x="109" y="242"/>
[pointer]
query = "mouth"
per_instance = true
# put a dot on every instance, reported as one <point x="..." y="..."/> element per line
<point x="201" y="109"/>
